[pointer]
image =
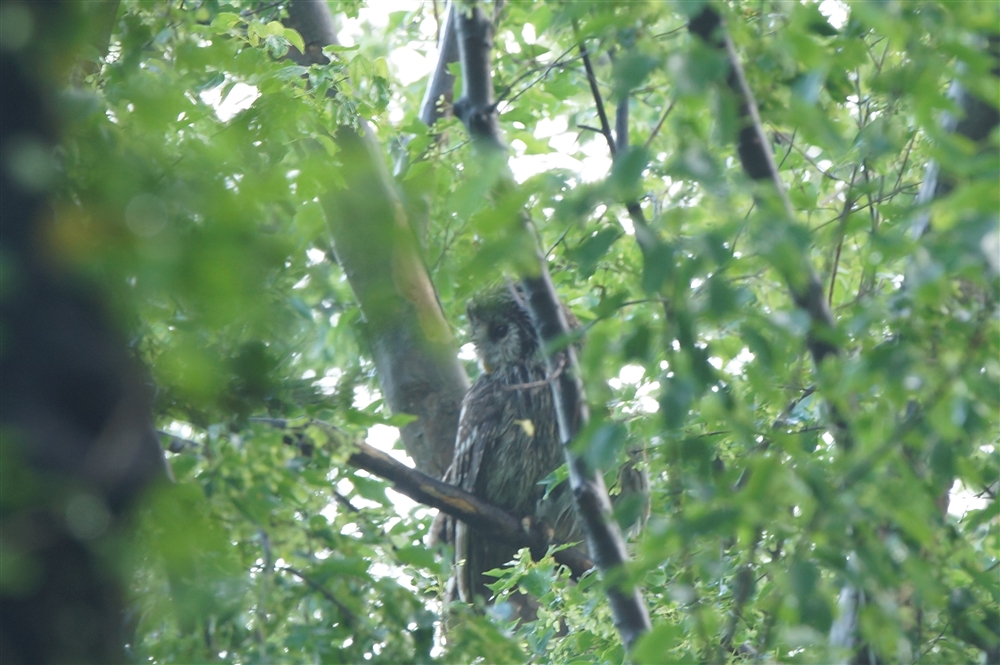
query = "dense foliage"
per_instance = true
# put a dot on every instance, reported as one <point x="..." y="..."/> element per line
<point x="200" y="219"/>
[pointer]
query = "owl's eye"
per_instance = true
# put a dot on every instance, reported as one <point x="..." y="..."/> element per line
<point x="498" y="331"/>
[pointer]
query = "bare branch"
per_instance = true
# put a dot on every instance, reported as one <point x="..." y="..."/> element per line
<point x="441" y="81"/>
<point x="445" y="497"/>
<point x="598" y="101"/>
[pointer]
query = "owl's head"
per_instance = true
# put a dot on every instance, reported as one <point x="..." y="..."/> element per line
<point x="501" y="329"/>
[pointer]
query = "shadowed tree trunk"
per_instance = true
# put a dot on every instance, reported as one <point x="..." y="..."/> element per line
<point x="76" y="433"/>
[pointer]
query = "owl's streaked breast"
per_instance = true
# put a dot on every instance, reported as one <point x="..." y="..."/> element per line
<point x="516" y="457"/>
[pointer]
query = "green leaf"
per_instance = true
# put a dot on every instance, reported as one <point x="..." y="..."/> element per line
<point x="604" y="444"/>
<point x="591" y="250"/>
<point x="654" y="646"/>
<point x="657" y="266"/>
<point x="294" y="38"/>
<point x="416" y="555"/>
<point x="224" y="21"/>
<point x="336" y="565"/>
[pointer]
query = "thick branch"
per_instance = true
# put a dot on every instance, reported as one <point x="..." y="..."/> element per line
<point x="441" y="81"/>
<point x="447" y="498"/>
<point x="476" y="108"/>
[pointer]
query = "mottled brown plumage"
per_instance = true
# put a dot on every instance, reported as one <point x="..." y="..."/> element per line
<point x="508" y="439"/>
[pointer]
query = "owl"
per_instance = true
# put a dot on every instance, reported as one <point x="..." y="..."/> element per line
<point x="508" y="438"/>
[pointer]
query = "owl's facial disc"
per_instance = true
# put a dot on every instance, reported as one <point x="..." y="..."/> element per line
<point x="495" y="340"/>
<point x="500" y="331"/>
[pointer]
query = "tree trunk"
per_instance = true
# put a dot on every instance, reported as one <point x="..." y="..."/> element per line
<point x="410" y="340"/>
<point x="77" y="442"/>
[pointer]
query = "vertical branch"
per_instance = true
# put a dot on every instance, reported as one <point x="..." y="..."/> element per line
<point x="621" y="124"/>
<point x="604" y="539"/>
<point x="476" y="108"/>
<point x="441" y="81"/>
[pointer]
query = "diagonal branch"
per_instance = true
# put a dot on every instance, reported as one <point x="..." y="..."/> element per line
<point x="378" y="250"/>
<point x="598" y="100"/>
<point x="604" y="539"/>
<point x="432" y="492"/>
<point x="758" y="162"/>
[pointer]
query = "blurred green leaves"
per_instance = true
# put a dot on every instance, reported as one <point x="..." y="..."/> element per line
<point x="191" y="170"/>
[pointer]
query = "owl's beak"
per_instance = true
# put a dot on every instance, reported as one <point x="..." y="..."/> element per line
<point x="486" y="366"/>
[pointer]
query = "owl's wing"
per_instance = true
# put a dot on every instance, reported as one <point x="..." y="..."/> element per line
<point x="477" y="424"/>
<point x="477" y="431"/>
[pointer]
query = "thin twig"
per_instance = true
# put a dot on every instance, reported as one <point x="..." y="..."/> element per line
<point x="656" y="130"/>
<point x="669" y="33"/>
<point x="346" y="503"/>
<point x="598" y="101"/>
<point x="906" y="158"/>
<point x="260" y="9"/>
<point x="544" y="382"/>
<point x="845" y="213"/>
<point x="349" y="618"/>
<point x="558" y="241"/>
<point x="783" y="137"/>
<point x="558" y="62"/>
<point x="791" y="142"/>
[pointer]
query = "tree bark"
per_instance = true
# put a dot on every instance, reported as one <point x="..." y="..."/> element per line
<point x="442" y="80"/>
<point x="78" y="444"/>
<point x="410" y="340"/>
